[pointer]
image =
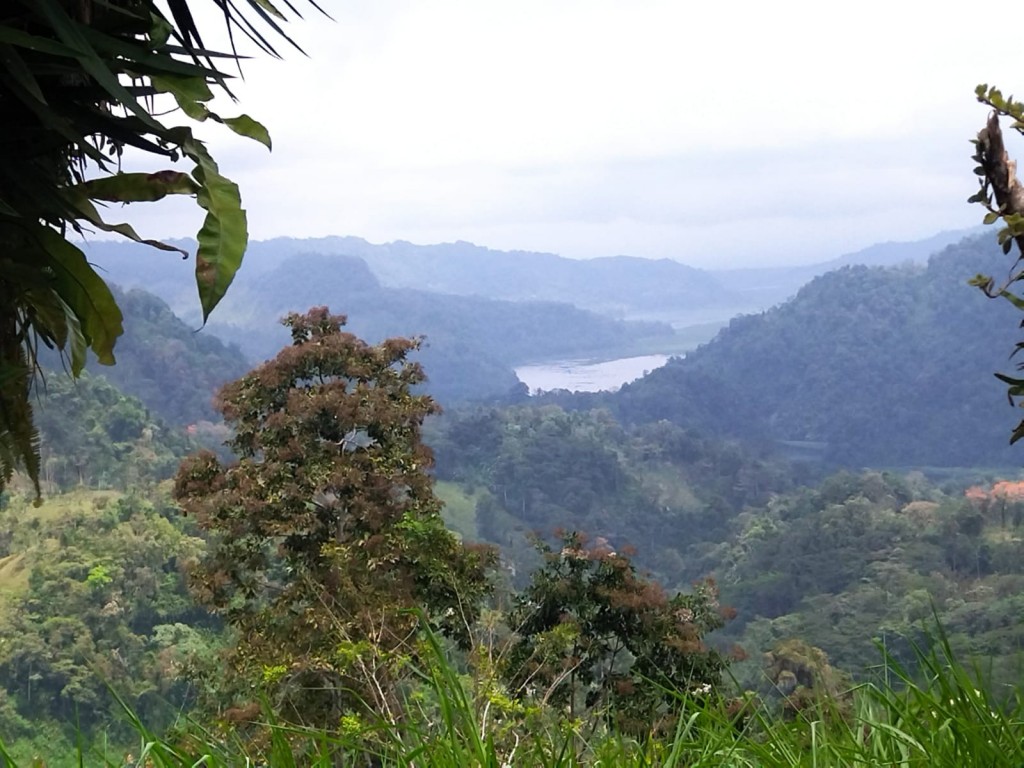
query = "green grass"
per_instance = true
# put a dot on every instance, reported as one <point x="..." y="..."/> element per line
<point x="459" y="509"/>
<point x="936" y="717"/>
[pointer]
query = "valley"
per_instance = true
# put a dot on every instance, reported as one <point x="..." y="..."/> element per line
<point x="802" y="457"/>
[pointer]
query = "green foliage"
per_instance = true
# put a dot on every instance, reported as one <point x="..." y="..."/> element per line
<point x="97" y="601"/>
<point x="163" y="362"/>
<point x="1002" y="195"/>
<point x="327" y="532"/>
<point x="846" y="371"/>
<point x="880" y="552"/>
<point x="93" y="435"/>
<point x="592" y="634"/>
<point x="658" y="487"/>
<point x="80" y="83"/>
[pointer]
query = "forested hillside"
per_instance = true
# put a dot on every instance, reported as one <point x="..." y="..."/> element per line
<point x="609" y="511"/>
<point x="173" y="368"/>
<point x="872" y="366"/>
<point x="93" y="435"/>
<point x="657" y="487"/>
<point x="472" y="342"/>
<point x="838" y="561"/>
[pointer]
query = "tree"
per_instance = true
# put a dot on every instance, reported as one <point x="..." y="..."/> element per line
<point x="593" y="633"/>
<point x="81" y="82"/>
<point x="326" y="533"/>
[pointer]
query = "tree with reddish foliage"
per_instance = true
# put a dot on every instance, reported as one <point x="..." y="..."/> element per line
<point x="593" y="633"/>
<point x="325" y="534"/>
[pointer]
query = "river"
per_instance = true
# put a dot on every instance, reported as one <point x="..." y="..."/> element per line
<point x="587" y="375"/>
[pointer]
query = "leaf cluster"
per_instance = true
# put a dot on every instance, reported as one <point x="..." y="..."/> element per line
<point x="80" y="83"/>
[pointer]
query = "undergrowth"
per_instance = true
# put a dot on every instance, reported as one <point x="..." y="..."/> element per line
<point x="936" y="715"/>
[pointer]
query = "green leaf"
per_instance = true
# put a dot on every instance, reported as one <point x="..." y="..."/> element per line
<point x="191" y="95"/>
<point x="991" y="217"/>
<point x="244" y="125"/>
<point x="70" y="34"/>
<point x="86" y="210"/>
<point x="15" y="66"/>
<point x="269" y="8"/>
<point x="140" y="187"/>
<point x="85" y="293"/>
<point x="21" y="39"/>
<point x="183" y="88"/>
<point x="224" y="234"/>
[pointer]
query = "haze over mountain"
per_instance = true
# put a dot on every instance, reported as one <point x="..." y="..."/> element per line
<point x="768" y="286"/>
<point x="877" y="366"/>
<point x="620" y="286"/>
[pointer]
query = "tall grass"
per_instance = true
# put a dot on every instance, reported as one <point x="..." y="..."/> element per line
<point x="938" y="715"/>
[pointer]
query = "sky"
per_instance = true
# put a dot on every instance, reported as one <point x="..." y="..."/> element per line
<point x="719" y="134"/>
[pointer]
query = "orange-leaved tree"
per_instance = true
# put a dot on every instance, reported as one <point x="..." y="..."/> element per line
<point x="326" y="539"/>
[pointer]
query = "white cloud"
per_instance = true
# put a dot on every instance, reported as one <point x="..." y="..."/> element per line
<point x="742" y="132"/>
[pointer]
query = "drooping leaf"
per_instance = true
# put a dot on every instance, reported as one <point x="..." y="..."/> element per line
<point x="191" y="95"/>
<point x="87" y="210"/>
<point x="244" y="125"/>
<point x="224" y="234"/>
<point x="85" y="293"/>
<point x="139" y="187"/>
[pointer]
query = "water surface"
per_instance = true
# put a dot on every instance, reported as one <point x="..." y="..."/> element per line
<point x="587" y="375"/>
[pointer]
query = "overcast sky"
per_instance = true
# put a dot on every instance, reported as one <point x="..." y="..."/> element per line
<point x="719" y="134"/>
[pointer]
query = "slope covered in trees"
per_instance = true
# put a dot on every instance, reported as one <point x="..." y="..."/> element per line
<point x="875" y="558"/>
<point x="471" y="344"/>
<point x="92" y="434"/>
<point x="173" y="369"/>
<point x="871" y="366"/>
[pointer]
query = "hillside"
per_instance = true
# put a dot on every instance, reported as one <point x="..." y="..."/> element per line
<point x="472" y="343"/>
<point x="870" y="366"/>
<point x="168" y="365"/>
<point x="837" y="561"/>
<point x="91" y="434"/>
<point x="869" y="558"/>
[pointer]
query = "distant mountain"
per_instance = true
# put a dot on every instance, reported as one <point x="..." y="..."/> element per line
<point x="760" y="288"/>
<point x="472" y="342"/>
<point x="171" y="367"/>
<point x="866" y="366"/>
<point x="620" y="286"/>
<point x="623" y="287"/>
